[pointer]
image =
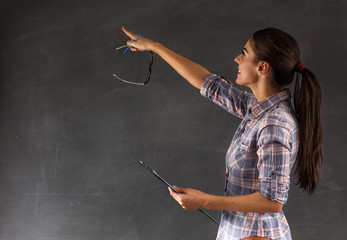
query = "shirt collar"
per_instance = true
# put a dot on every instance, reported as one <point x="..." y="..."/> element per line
<point x="260" y="107"/>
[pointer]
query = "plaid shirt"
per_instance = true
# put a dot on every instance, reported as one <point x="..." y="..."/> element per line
<point x="259" y="159"/>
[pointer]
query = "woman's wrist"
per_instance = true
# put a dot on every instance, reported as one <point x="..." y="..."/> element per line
<point x="208" y="202"/>
<point x="155" y="47"/>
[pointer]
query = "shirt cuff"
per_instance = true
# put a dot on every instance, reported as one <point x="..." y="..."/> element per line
<point x="208" y="83"/>
<point x="275" y="188"/>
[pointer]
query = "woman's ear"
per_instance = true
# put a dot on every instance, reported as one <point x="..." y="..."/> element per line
<point x="263" y="67"/>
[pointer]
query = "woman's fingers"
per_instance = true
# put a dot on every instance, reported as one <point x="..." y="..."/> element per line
<point x="128" y="33"/>
<point x="132" y="36"/>
<point x="141" y="44"/>
<point x="176" y="196"/>
<point x="188" y="198"/>
<point x="131" y="43"/>
<point x="178" y="189"/>
<point x="181" y="196"/>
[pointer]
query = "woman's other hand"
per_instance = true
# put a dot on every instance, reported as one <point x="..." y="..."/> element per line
<point x="141" y="44"/>
<point x="190" y="199"/>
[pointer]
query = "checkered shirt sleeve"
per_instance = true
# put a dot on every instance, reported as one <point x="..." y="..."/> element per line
<point x="274" y="162"/>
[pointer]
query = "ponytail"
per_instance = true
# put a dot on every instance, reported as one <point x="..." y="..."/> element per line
<point x="307" y="102"/>
<point x="282" y="52"/>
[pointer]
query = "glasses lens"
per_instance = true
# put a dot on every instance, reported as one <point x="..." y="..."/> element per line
<point x="132" y="66"/>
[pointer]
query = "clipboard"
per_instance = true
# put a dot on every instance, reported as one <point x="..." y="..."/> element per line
<point x="170" y="186"/>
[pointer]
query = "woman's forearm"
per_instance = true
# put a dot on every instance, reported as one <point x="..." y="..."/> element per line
<point x="194" y="73"/>
<point x="247" y="203"/>
<point x="194" y="199"/>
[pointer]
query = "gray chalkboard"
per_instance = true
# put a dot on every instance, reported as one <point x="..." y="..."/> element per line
<point x="71" y="134"/>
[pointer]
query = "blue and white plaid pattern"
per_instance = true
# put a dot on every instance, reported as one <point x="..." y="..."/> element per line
<point x="260" y="158"/>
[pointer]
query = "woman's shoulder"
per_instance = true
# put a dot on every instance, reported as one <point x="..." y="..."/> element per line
<point x="281" y="115"/>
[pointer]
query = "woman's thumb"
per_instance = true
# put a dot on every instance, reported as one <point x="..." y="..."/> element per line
<point x="178" y="189"/>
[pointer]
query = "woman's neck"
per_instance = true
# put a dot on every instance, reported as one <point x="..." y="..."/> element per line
<point x="263" y="90"/>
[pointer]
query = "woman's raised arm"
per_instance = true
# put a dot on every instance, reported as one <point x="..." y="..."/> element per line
<point x="194" y="73"/>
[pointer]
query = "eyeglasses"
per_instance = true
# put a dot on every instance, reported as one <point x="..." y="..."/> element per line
<point x="148" y="73"/>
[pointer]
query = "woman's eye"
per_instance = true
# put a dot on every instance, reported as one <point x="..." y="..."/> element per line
<point x="243" y="53"/>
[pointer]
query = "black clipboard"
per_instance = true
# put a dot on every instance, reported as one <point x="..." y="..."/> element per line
<point x="170" y="186"/>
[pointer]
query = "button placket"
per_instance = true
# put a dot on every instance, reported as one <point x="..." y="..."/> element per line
<point x="226" y="181"/>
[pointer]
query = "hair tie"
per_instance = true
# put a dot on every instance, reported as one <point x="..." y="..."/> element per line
<point x="300" y="66"/>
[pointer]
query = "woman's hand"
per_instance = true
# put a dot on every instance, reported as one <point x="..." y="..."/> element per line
<point x="190" y="199"/>
<point x="191" y="71"/>
<point x="141" y="44"/>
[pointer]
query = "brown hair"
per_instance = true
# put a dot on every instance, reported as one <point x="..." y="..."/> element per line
<point x="282" y="52"/>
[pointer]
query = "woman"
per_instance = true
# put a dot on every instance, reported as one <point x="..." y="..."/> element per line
<point x="266" y="144"/>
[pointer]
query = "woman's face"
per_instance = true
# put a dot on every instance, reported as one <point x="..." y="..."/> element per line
<point x="248" y="66"/>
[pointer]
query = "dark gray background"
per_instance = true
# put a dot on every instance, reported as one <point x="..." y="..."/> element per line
<point x="71" y="134"/>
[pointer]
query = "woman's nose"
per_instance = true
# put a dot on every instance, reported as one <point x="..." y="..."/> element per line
<point x="237" y="59"/>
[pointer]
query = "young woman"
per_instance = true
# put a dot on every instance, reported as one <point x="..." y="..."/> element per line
<point x="270" y="139"/>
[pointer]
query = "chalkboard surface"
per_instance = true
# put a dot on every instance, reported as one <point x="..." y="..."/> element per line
<point x="71" y="134"/>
